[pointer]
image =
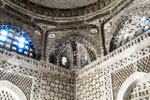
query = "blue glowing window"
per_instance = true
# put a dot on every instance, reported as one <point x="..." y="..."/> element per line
<point x="12" y="38"/>
<point x="119" y="33"/>
<point x="4" y="32"/>
<point x="147" y="21"/>
<point x="84" y="58"/>
<point x="3" y="38"/>
<point x="130" y="29"/>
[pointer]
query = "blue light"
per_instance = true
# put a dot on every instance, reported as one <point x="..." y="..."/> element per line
<point x="3" y="38"/>
<point x="84" y="58"/>
<point x="17" y="39"/>
<point x="119" y="33"/>
<point x="147" y="21"/>
<point x="21" y="42"/>
<point x="4" y="32"/>
<point x="21" y="45"/>
<point x="21" y="39"/>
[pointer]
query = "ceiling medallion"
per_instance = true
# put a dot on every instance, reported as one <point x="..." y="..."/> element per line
<point x="37" y="33"/>
<point x="93" y="31"/>
<point x="107" y="26"/>
<point x="51" y="36"/>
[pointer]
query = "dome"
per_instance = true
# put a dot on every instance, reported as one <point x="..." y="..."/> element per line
<point x="60" y="8"/>
<point x="64" y="4"/>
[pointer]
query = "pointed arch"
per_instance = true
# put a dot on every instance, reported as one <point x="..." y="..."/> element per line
<point x="12" y="89"/>
<point x="13" y="38"/>
<point x="134" y="26"/>
<point x="130" y="81"/>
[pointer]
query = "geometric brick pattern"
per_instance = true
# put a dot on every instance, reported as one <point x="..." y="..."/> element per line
<point x="24" y="83"/>
<point x="118" y="78"/>
<point x="5" y="95"/>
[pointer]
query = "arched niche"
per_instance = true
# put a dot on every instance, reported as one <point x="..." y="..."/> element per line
<point x="134" y="26"/>
<point x="70" y="48"/>
<point x="13" y="90"/>
<point x="12" y="38"/>
<point x="113" y="25"/>
<point x="130" y="82"/>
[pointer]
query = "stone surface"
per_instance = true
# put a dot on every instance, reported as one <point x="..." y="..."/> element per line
<point x="94" y="73"/>
<point x="64" y="3"/>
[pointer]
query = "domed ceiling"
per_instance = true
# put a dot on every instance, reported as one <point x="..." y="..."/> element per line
<point x="63" y="3"/>
<point x="60" y="8"/>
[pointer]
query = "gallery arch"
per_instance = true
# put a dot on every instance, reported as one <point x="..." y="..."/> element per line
<point x="134" y="26"/>
<point x="73" y="51"/>
<point x="13" y="38"/>
<point x="136" y="86"/>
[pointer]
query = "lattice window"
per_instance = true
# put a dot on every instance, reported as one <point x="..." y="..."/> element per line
<point x="14" y="39"/>
<point x="140" y="91"/>
<point x="131" y="28"/>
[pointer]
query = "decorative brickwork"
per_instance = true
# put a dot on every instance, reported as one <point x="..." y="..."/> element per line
<point x="24" y="83"/>
<point x="79" y="37"/>
<point x="140" y="91"/>
<point x="91" y="86"/>
<point x="5" y="95"/>
<point x="118" y="77"/>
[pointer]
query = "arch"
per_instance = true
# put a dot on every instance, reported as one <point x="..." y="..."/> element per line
<point x="141" y="8"/>
<point x="130" y="81"/>
<point x="68" y="46"/>
<point x="13" y="38"/>
<point x="29" y="28"/>
<point x="14" y="90"/>
<point x="134" y="26"/>
<point x="80" y="38"/>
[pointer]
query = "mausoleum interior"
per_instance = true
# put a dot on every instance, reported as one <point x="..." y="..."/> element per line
<point x="74" y="49"/>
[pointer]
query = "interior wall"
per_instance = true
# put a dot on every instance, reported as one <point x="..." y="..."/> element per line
<point x="137" y="7"/>
<point x="37" y="80"/>
<point x="29" y="28"/>
<point x="102" y="80"/>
